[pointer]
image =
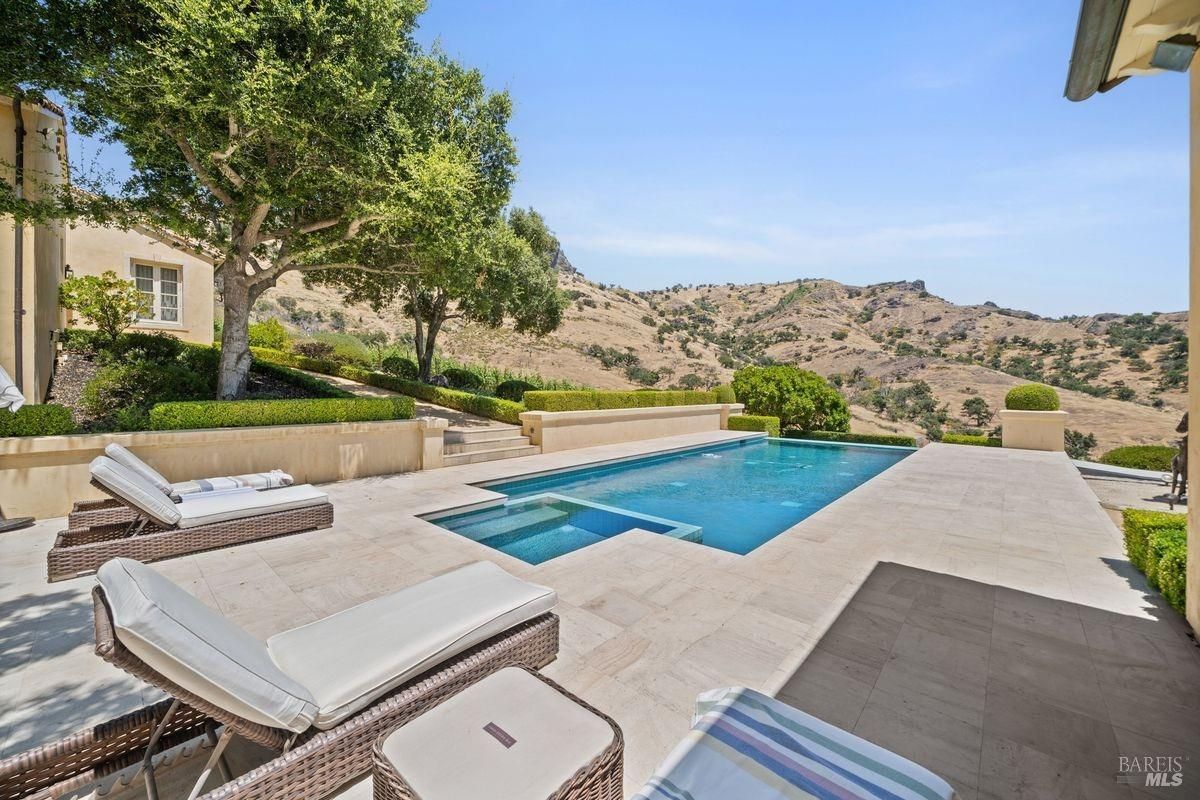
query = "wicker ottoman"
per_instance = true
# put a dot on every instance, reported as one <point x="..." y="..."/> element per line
<point x="515" y="735"/>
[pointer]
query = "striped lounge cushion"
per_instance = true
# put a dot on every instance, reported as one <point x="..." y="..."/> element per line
<point x="746" y="745"/>
<point x="274" y="479"/>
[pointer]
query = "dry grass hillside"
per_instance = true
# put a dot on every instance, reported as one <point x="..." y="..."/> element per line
<point x="1120" y="377"/>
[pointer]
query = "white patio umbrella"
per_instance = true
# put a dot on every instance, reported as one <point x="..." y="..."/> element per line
<point x="12" y="399"/>
<point x="10" y="396"/>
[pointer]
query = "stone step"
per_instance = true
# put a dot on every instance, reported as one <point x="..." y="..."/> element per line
<point x="466" y="435"/>
<point x="485" y="444"/>
<point x="479" y="456"/>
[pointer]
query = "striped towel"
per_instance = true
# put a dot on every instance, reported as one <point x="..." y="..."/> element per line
<point x="748" y="746"/>
<point x="258" y="481"/>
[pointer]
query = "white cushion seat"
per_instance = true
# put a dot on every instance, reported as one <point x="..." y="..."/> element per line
<point x="541" y="739"/>
<point x="198" y="649"/>
<point x="225" y="506"/>
<point x="353" y="657"/>
<point x="137" y="490"/>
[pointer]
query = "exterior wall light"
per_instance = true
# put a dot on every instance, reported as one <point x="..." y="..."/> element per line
<point x="1174" y="54"/>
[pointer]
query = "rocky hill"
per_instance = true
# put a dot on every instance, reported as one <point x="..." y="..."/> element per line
<point x="906" y="358"/>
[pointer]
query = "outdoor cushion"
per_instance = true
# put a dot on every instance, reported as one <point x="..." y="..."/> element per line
<point x="122" y="456"/>
<point x="746" y="745"/>
<point x="258" y="481"/>
<point x="136" y="490"/>
<point x="198" y="649"/>
<point x="224" y="506"/>
<point x="350" y="659"/>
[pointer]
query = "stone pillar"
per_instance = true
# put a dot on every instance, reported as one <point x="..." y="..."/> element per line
<point x="1193" y="537"/>
<point x="433" y="431"/>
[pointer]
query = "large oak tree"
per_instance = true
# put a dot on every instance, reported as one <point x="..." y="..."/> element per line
<point x="288" y="135"/>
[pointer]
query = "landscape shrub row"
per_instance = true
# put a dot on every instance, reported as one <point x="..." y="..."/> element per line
<point x="1142" y="456"/>
<point x="752" y="422"/>
<point x="247" y="413"/>
<point x="980" y="440"/>
<point x="37" y="420"/>
<point x="1156" y="543"/>
<point x="597" y="400"/>
<point x="855" y="438"/>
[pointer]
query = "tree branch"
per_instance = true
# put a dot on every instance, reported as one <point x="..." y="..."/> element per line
<point x="391" y="269"/>
<point x="250" y="234"/>
<point x="209" y="182"/>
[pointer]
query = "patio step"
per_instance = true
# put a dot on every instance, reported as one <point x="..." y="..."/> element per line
<point x="503" y="439"/>
<point x="494" y="454"/>
<point x="459" y="435"/>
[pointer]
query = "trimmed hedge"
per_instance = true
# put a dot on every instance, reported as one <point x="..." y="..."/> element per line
<point x="302" y="380"/>
<point x="37" y="420"/>
<point x="1031" y="397"/>
<point x="856" y="438"/>
<point x="974" y="440"/>
<point x="750" y="422"/>
<point x="1156" y="543"/>
<point x="1143" y="456"/>
<point x="596" y="400"/>
<point x="483" y="405"/>
<point x="724" y="393"/>
<point x="246" y="413"/>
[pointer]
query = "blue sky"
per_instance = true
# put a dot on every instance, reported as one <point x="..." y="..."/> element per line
<point x="709" y="142"/>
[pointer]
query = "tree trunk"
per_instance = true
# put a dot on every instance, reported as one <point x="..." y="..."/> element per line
<point x="238" y="296"/>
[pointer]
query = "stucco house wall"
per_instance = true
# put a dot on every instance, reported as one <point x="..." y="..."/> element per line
<point x="92" y="250"/>
<point x="42" y="249"/>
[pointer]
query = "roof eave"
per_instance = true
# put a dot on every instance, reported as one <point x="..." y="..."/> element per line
<point x="1096" y="37"/>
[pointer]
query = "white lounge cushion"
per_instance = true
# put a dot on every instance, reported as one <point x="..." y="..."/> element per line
<point x="198" y="649"/>
<point x="224" y="506"/>
<point x="122" y="456"/>
<point x="134" y="489"/>
<point x="450" y="752"/>
<point x="350" y="659"/>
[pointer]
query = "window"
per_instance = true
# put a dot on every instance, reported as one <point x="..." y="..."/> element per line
<point x="160" y="286"/>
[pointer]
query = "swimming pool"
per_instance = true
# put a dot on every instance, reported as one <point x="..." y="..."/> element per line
<point x="739" y="495"/>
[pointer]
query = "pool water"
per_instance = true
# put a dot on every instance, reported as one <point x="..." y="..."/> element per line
<point x="739" y="495"/>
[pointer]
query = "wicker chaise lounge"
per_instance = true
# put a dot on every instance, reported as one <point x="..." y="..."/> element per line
<point x="163" y="529"/>
<point x="90" y="513"/>
<point x="320" y="694"/>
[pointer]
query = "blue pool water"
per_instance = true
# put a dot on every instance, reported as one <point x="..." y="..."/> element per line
<point x="740" y="495"/>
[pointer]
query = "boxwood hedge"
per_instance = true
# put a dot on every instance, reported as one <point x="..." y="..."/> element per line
<point x="751" y="422"/>
<point x="1143" y="456"/>
<point x="1156" y="543"/>
<point x="857" y="438"/>
<point x="1031" y="397"/>
<point x="37" y="420"/>
<point x="966" y="438"/>
<point x="246" y="413"/>
<point x="595" y="400"/>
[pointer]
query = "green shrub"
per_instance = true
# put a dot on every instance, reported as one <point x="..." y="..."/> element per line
<point x="593" y="400"/>
<point x="514" y="390"/>
<point x="1172" y="575"/>
<point x="462" y="378"/>
<point x="1139" y="526"/>
<point x="83" y="340"/>
<point x="268" y="333"/>
<point x="1031" y="397"/>
<point x="481" y="404"/>
<point x="1158" y="543"/>
<point x="160" y="348"/>
<point x="313" y="349"/>
<point x="750" y="422"/>
<point x="1143" y="456"/>
<point x="106" y="301"/>
<point x="313" y="386"/>
<point x="122" y="388"/>
<point x="246" y="413"/>
<point x="294" y="360"/>
<point x="36" y="420"/>
<point x="346" y="347"/>
<point x="724" y="393"/>
<point x="857" y="438"/>
<point x="801" y="399"/>
<point x="964" y="438"/>
<point x="401" y="367"/>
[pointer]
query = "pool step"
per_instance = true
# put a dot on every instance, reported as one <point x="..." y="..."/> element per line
<point x="503" y="439"/>
<point x="493" y="454"/>
<point x="459" y="435"/>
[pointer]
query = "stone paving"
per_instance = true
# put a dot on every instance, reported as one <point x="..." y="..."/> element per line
<point x="969" y="608"/>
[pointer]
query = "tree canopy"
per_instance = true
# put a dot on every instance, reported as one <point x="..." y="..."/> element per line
<point x="286" y="135"/>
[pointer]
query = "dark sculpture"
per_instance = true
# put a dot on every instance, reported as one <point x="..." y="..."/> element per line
<point x="1179" y="466"/>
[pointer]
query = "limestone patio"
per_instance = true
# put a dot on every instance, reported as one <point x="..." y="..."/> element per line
<point x="970" y="609"/>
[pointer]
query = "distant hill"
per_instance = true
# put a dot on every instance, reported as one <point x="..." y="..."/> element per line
<point x="1121" y="377"/>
